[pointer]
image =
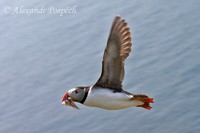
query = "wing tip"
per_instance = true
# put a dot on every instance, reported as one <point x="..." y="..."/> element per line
<point x="121" y="28"/>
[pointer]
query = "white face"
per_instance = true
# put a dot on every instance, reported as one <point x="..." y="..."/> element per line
<point x="73" y="95"/>
<point x="76" y="94"/>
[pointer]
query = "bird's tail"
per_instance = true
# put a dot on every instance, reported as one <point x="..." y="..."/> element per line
<point x="145" y="99"/>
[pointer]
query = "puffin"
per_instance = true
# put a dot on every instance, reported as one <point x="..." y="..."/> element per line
<point x="107" y="93"/>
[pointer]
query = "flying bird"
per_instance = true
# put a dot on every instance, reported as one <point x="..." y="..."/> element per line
<point x="107" y="92"/>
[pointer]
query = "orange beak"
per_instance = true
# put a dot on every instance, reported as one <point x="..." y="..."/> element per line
<point x="67" y="100"/>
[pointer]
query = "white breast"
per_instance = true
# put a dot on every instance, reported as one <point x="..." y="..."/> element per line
<point x="106" y="99"/>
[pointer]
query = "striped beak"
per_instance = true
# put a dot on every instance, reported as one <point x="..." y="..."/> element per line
<point x="67" y="100"/>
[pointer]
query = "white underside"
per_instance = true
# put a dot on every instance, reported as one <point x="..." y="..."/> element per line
<point x="106" y="99"/>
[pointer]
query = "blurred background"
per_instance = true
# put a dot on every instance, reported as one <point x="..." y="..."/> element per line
<point x="43" y="55"/>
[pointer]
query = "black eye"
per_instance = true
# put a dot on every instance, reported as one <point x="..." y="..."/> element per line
<point x="76" y="91"/>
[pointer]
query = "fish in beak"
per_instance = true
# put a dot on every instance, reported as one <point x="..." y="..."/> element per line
<point x="68" y="101"/>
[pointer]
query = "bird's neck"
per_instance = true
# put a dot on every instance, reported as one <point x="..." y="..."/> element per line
<point x="86" y="90"/>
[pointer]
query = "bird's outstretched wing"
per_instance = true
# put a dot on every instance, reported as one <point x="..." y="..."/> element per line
<point x="117" y="50"/>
